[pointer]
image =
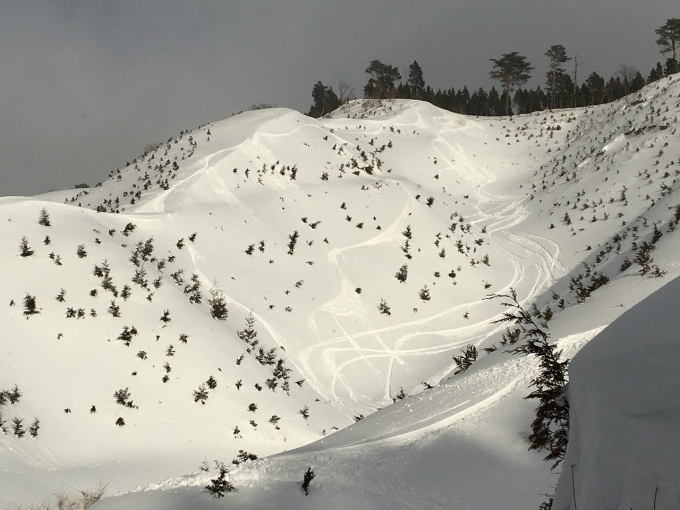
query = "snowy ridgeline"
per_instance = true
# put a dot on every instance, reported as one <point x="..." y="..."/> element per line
<point x="254" y="285"/>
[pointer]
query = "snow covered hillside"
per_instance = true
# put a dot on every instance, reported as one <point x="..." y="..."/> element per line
<point x="265" y="282"/>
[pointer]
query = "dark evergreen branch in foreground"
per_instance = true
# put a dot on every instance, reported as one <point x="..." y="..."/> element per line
<point x="550" y="428"/>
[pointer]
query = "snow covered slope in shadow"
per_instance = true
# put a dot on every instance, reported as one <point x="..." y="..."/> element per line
<point x="625" y="412"/>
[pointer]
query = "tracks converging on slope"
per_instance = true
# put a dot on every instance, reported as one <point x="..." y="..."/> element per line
<point x="329" y="363"/>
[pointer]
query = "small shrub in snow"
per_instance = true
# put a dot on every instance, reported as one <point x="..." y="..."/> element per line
<point x="114" y="309"/>
<point x="218" y="305"/>
<point x="402" y="274"/>
<point x="383" y="307"/>
<point x="220" y="485"/>
<point x="399" y="396"/>
<point x="30" y="307"/>
<point x="17" y="427"/>
<point x="466" y="360"/>
<point x="244" y="456"/>
<point x="122" y="397"/>
<point x="24" y="249"/>
<point x="129" y="228"/>
<point x="127" y="334"/>
<point x="81" y="252"/>
<point x="44" y="218"/>
<point x="33" y="429"/>
<point x="292" y="242"/>
<point x="201" y="394"/>
<point x="140" y="277"/>
<point x="249" y="334"/>
<point x="307" y="479"/>
<point x="13" y="396"/>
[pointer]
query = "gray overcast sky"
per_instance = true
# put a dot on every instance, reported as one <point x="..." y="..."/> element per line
<point x="86" y="84"/>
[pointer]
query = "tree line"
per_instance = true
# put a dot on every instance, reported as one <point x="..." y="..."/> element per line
<point x="512" y="70"/>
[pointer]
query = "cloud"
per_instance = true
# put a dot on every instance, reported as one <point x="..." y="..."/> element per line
<point x="86" y="84"/>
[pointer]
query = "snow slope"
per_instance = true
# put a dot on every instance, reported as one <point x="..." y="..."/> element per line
<point x="626" y="412"/>
<point x="306" y="223"/>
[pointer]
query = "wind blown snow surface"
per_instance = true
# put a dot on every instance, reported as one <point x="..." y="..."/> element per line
<point x="354" y="254"/>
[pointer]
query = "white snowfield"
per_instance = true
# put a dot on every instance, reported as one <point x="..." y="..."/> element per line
<point x="365" y="246"/>
<point x="623" y="439"/>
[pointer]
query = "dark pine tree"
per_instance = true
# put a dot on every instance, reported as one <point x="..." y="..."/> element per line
<point x="511" y="69"/>
<point x="325" y="100"/>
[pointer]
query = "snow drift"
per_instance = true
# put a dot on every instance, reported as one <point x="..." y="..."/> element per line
<point x="625" y="412"/>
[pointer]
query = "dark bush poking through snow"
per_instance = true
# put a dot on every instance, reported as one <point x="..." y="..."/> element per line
<point x="220" y="485"/>
<point x="308" y="477"/>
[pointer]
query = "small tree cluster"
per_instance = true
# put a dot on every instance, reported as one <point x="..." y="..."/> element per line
<point x="122" y="397"/>
<point x="644" y="259"/>
<point x="127" y="334"/>
<point x="104" y="272"/>
<point x="194" y="290"/>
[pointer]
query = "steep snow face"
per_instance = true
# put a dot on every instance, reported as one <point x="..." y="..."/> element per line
<point x="365" y="245"/>
<point x="625" y="412"/>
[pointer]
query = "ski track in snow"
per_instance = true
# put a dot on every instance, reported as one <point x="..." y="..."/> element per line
<point x="528" y="253"/>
